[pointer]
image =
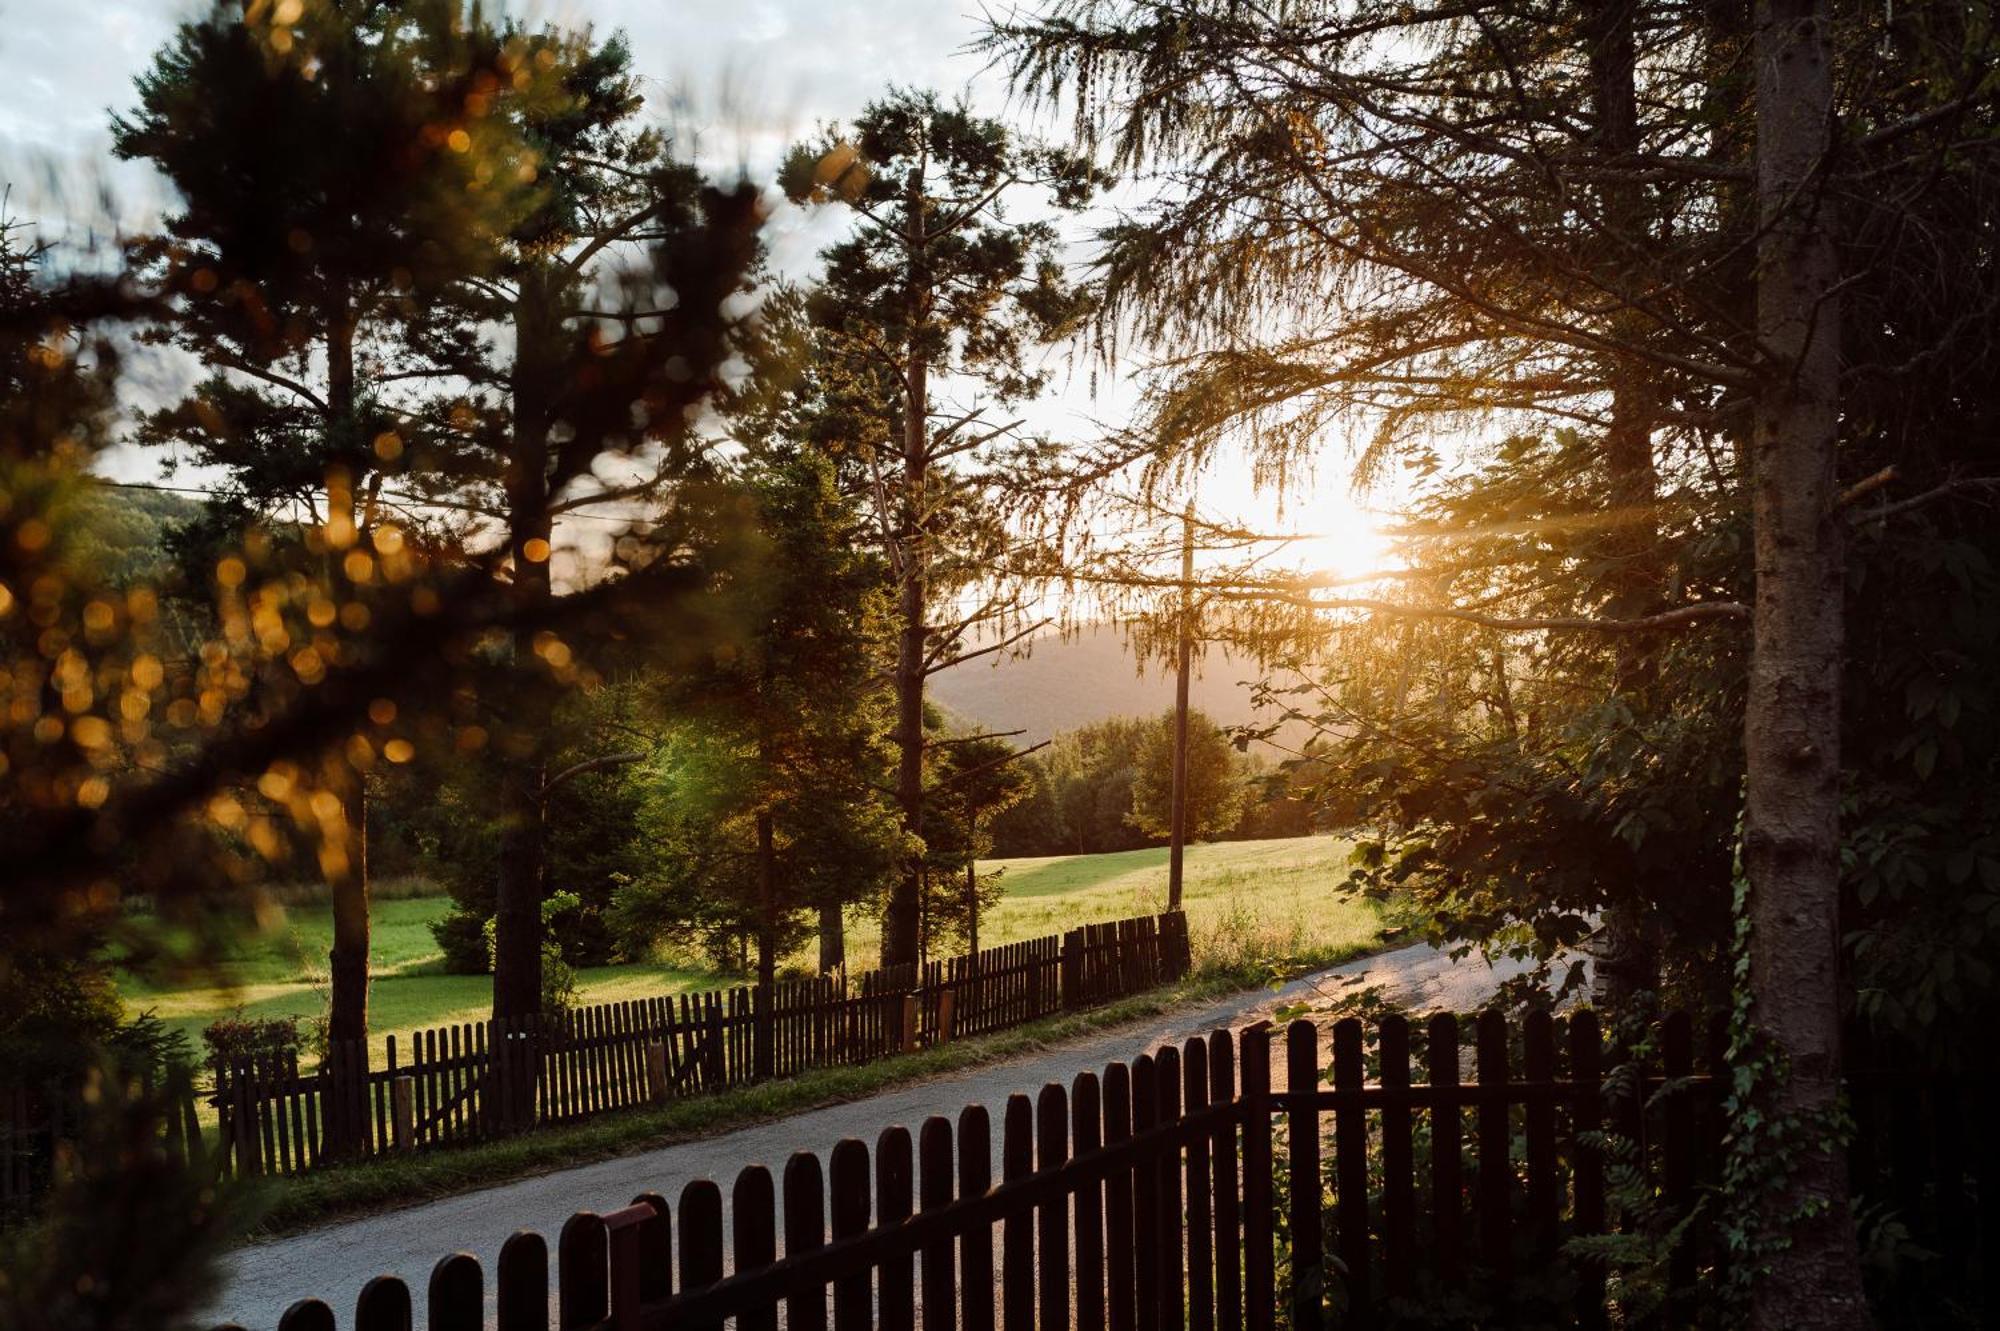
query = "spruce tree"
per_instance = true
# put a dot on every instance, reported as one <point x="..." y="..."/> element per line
<point x="931" y="318"/>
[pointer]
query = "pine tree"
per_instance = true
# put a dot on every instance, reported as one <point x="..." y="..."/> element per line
<point x="940" y="291"/>
<point x="336" y="173"/>
<point x="769" y="785"/>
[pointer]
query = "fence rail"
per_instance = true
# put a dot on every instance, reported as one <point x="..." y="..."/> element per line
<point x="479" y="1080"/>
<point x="1190" y="1191"/>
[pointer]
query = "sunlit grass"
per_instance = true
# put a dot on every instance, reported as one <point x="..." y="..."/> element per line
<point x="1248" y="902"/>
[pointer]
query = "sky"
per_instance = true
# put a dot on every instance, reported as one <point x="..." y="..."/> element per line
<point x="738" y="79"/>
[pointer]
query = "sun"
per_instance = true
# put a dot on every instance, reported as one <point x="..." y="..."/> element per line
<point x="1338" y="538"/>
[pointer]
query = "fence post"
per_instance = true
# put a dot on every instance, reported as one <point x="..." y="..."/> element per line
<point x="762" y="1028"/>
<point x="1072" y="970"/>
<point x="910" y="1031"/>
<point x="947" y="1003"/>
<point x="403" y="1111"/>
<point x="656" y="1071"/>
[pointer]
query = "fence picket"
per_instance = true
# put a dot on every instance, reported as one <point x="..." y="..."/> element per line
<point x="753" y="1212"/>
<point x="805" y="1231"/>
<point x="1260" y="1293"/>
<point x="384" y="1305"/>
<point x="305" y="1315"/>
<point x="975" y="1248"/>
<point x="456" y="1296"/>
<point x="700" y="1214"/>
<point x="1145" y="1195"/>
<point x="1398" y="1164"/>
<point x="522" y="1283"/>
<point x="1121" y="1299"/>
<point x="934" y="1191"/>
<point x="1496" y="1168"/>
<point x="1017" y="1238"/>
<point x="1303" y="1140"/>
<point x="1052" y="1216"/>
<point x="853" y="1308"/>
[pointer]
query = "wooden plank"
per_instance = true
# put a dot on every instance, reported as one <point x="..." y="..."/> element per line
<point x="754" y="1226"/>
<point x="523" y="1283"/>
<point x="305" y="1315"/>
<point x="383" y="1305"/>
<point x="1306" y="1181"/>
<point x="583" y="1294"/>
<point x="1121" y="1297"/>
<point x="1171" y="1240"/>
<point x="1398" y="1162"/>
<point x="975" y="1246"/>
<point x="1496" y="1169"/>
<point x="1146" y="1194"/>
<point x="1087" y="1135"/>
<point x="853" y="1302"/>
<point x="1226" y="1170"/>
<point x="1017" y="1238"/>
<point x="805" y="1231"/>
<point x="1447" y="1132"/>
<point x="895" y="1196"/>
<point x="1677" y="1156"/>
<point x="1538" y="1065"/>
<point x="934" y="1194"/>
<point x="700" y="1217"/>
<point x="1052" y="1215"/>
<point x="1260" y="1294"/>
<point x="1586" y="1118"/>
<point x="1200" y="1203"/>
<point x="456" y="1295"/>
<point x="655" y="1248"/>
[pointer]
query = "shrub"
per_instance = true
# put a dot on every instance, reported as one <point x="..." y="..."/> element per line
<point x="466" y="939"/>
<point x="239" y="1036"/>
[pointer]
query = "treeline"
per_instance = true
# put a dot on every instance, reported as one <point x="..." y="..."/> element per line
<point x="1108" y="787"/>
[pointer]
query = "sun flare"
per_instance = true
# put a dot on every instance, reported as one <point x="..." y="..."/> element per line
<point x="1338" y="538"/>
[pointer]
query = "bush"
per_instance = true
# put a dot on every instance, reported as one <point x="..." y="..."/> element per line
<point x="466" y="939"/>
<point x="239" y="1036"/>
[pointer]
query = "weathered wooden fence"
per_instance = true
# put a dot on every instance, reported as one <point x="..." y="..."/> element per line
<point x="1188" y="1191"/>
<point x="485" y="1079"/>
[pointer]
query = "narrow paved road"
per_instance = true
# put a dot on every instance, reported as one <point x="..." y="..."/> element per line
<point x="333" y="1262"/>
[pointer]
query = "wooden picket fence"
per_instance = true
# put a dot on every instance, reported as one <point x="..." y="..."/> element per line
<point x="479" y="1080"/>
<point x="1186" y="1191"/>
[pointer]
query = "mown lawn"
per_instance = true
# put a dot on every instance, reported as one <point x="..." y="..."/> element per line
<point x="1248" y="902"/>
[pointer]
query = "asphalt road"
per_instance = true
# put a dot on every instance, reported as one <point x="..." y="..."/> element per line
<point x="334" y="1261"/>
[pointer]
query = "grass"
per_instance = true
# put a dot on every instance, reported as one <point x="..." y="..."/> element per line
<point x="1249" y="903"/>
<point x="294" y="1203"/>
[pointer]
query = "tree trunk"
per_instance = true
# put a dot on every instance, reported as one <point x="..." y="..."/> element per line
<point x="517" y="914"/>
<point x="347" y="962"/>
<point x="1183" y="660"/>
<point x="1628" y="943"/>
<point x="767" y="902"/>
<point x="901" y="922"/>
<point x="832" y="939"/>
<point x="972" y="907"/>
<point x="1792" y="723"/>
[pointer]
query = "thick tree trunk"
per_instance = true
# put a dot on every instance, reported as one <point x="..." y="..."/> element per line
<point x="1792" y="722"/>
<point x="1628" y="950"/>
<point x="522" y="882"/>
<point x="901" y="919"/>
<point x="347" y="962"/>
<point x="832" y="939"/>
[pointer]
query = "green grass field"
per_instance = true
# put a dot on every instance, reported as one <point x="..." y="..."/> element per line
<point x="1248" y="903"/>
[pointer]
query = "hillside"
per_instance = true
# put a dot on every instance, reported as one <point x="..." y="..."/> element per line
<point x="1062" y="684"/>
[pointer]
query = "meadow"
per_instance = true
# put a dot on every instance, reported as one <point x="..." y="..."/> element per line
<point x="1250" y="904"/>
